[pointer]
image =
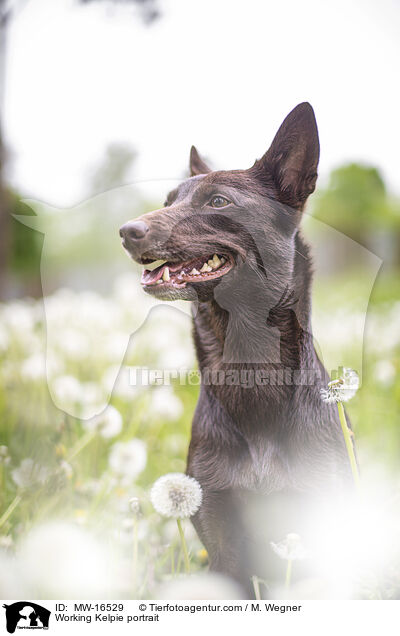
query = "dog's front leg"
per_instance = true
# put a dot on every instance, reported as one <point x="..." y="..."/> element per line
<point x="219" y="525"/>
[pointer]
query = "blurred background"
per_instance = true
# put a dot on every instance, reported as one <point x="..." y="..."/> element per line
<point x="100" y="103"/>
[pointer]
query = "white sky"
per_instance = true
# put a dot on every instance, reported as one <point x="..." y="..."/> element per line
<point x="218" y="73"/>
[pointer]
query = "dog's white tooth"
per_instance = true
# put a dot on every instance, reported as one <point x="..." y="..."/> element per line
<point x="216" y="261"/>
<point x="209" y="269"/>
<point x="159" y="282"/>
<point x="194" y="272"/>
<point x="165" y="275"/>
<point x="204" y="268"/>
<point x="210" y="263"/>
<point x="223" y="259"/>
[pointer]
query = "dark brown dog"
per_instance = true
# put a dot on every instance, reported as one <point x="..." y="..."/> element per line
<point x="264" y="446"/>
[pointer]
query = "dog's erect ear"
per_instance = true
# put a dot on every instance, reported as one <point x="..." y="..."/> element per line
<point x="292" y="159"/>
<point x="196" y="163"/>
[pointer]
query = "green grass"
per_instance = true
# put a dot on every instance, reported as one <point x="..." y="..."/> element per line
<point x="81" y="489"/>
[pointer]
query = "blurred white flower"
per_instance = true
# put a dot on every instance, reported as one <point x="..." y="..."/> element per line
<point x="291" y="548"/>
<point x="61" y="560"/>
<point x="176" y="495"/>
<point x="201" y="587"/>
<point x="385" y="372"/>
<point x="128" y="459"/>
<point x="39" y="365"/>
<point x="29" y="473"/>
<point x="73" y="343"/>
<point x="68" y="390"/>
<point x="34" y="367"/>
<point x="108" y="424"/>
<point x="19" y="316"/>
<point x="165" y="404"/>
<point x="5" y="458"/>
<point x="66" y="469"/>
<point x="134" y="505"/>
<point x="341" y="389"/>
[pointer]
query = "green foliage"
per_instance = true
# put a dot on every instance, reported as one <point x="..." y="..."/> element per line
<point x="25" y="245"/>
<point x="356" y="201"/>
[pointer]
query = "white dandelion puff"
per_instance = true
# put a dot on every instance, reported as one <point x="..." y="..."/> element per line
<point x="128" y="459"/>
<point x="176" y="495"/>
<point x="29" y="473"/>
<point x="37" y="366"/>
<point x="342" y="389"/>
<point x="68" y="389"/>
<point x="290" y="549"/>
<point x="4" y="455"/>
<point x="108" y="424"/>
<point x="66" y="469"/>
<point x="60" y="547"/>
<point x="134" y="505"/>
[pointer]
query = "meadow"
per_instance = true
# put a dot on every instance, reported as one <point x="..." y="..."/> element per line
<point x="76" y="519"/>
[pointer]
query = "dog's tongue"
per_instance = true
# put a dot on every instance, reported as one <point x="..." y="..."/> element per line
<point x="151" y="276"/>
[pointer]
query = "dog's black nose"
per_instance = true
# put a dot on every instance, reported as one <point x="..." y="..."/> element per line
<point x="134" y="230"/>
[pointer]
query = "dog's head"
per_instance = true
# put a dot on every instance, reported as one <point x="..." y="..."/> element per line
<point x="216" y="221"/>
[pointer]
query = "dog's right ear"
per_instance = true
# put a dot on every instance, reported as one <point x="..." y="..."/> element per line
<point x="292" y="159"/>
<point x="196" y="163"/>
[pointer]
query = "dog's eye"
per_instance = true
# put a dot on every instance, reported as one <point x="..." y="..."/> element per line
<point x="219" y="202"/>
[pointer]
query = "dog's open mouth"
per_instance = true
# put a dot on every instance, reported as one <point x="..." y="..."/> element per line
<point x="197" y="270"/>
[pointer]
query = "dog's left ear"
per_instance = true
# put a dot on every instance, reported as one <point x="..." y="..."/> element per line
<point x="292" y="159"/>
<point x="196" y="163"/>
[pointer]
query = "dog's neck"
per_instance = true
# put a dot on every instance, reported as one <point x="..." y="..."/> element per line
<point x="254" y="335"/>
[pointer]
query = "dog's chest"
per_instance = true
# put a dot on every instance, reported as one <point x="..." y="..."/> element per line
<point x="263" y="467"/>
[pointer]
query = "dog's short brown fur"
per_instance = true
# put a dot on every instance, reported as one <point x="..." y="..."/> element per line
<point x="261" y="453"/>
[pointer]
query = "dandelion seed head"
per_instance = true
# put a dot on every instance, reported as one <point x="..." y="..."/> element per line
<point x="108" y="424"/>
<point x="291" y="548"/>
<point x="134" y="505"/>
<point x="341" y="389"/>
<point x="29" y="473"/>
<point x="176" y="495"/>
<point x="128" y="459"/>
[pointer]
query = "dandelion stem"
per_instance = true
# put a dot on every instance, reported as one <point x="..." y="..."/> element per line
<point x="172" y="560"/>
<point x="256" y="586"/>
<point x="349" y="444"/>
<point x="288" y="573"/>
<point x="184" y="547"/>
<point x="15" y="502"/>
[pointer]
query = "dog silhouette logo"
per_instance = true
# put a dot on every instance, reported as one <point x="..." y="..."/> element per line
<point x="26" y="615"/>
